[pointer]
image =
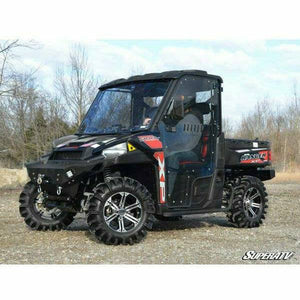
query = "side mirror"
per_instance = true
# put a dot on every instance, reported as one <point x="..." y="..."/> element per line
<point x="204" y="108"/>
<point x="176" y="109"/>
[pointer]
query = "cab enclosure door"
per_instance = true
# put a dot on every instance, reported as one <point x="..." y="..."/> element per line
<point x="190" y="145"/>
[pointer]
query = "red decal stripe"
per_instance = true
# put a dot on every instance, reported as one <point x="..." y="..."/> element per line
<point x="162" y="179"/>
<point x="154" y="144"/>
<point x="262" y="157"/>
<point x="152" y="141"/>
<point x="270" y="155"/>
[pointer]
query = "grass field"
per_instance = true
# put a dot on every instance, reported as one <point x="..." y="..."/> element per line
<point x="197" y="239"/>
<point x="286" y="177"/>
<point x="12" y="178"/>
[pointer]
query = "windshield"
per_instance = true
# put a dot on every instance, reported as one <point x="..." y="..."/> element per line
<point x="124" y="108"/>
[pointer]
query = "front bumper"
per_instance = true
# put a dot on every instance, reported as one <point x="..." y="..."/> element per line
<point x="64" y="175"/>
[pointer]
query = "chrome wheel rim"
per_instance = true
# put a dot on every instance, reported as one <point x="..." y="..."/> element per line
<point x="122" y="212"/>
<point x="43" y="211"/>
<point x="253" y="202"/>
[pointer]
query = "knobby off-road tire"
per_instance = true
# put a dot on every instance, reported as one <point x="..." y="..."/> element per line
<point x="120" y="211"/>
<point x="249" y="203"/>
<point x="33" y="216"/>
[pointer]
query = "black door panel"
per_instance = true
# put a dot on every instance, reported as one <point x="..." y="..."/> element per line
<point x="190" y="145"/>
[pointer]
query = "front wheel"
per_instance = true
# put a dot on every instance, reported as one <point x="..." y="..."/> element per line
<point x="38" y="216"/>
<point x="119" y="211"/>
<point x="248" y="203"/>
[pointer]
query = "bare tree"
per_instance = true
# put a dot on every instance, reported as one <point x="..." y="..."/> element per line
<point x="7" y="54"/>
<point x="78" y="85"/>
<point x="228" y="128"/>
<point x="18" y="111"/>
<point x="278" y="124"/>
<point x="30" y="119"/>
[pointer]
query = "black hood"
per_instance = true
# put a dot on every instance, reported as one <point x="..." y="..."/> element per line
<point x="80" y="140"/>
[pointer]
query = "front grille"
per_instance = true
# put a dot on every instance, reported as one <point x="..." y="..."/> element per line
<point x="66" y="155"/>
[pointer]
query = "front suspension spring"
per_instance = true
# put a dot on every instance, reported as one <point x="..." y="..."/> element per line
<point x="106" y="173"/>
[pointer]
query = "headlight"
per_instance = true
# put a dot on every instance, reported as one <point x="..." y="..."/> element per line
<point x="115" y="151"/>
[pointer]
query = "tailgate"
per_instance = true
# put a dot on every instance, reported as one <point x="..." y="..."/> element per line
<point x="247" y="153"/>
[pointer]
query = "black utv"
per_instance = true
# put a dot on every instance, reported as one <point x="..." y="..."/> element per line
<point x="149" y="147"/>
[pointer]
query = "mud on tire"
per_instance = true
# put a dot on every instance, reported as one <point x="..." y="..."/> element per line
<point x="248" y="203"/>
<point x="32" y="217"/>
<point x="120" y="212"/>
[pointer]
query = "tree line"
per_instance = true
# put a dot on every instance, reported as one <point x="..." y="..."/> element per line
<point x="31" y="117"/>
<point x="279" y="124"/>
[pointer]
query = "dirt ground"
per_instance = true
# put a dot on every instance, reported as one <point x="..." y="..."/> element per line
<point x="201" y="239"/>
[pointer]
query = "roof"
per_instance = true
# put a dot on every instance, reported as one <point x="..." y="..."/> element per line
<point x="159" y="76"/>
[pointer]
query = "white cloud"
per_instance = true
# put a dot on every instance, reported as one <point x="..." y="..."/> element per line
<point x="287" y="48"/>
<point x="281" y="77"/>
<point x="289" y="56"/>
<point x="112" y="61"/>
<point x="250" y="70"/>
<point x="206" y="59"/>
<point x="247" y="46"/>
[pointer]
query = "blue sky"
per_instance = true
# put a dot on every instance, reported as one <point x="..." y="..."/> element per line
<point x="251" y="70"/>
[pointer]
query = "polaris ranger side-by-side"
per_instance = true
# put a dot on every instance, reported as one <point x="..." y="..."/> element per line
<point x="149" y="147"/>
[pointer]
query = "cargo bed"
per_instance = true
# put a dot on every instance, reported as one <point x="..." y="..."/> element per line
<point x="243" y="154"/>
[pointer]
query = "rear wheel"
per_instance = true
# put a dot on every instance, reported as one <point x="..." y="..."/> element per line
<point x="37" y="216"/>
<point x="248" y="203"/>
<point x="119" y="211"/>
